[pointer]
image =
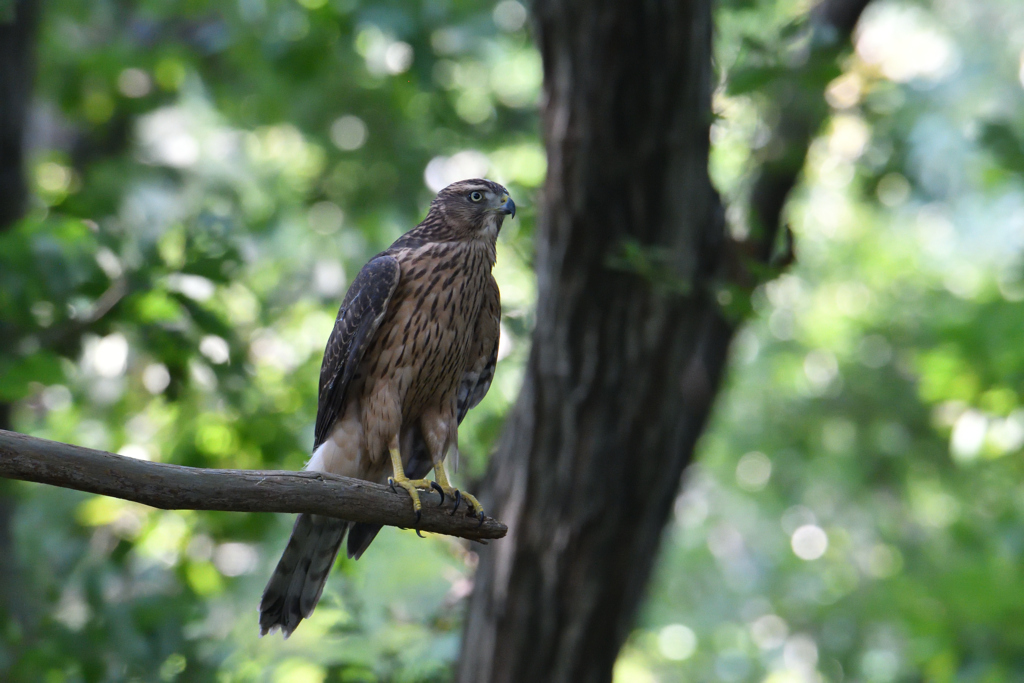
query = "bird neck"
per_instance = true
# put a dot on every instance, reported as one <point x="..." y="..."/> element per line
<point x="434" y="230"/>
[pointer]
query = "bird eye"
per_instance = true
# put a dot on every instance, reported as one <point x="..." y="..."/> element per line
<point x="475" y="196"/>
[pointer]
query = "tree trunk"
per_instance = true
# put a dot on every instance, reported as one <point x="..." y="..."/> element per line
<point x="629" y="344"/>
<point x="17" y="70"/>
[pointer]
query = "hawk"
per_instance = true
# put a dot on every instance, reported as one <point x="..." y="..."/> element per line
<point x="413" y="349"/>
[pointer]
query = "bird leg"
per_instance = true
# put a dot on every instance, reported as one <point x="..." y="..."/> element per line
<point x="442" y="486"/>
<point x="410" y="485"/>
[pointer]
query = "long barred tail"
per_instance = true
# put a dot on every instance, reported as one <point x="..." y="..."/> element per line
<point x="297" y="582"/>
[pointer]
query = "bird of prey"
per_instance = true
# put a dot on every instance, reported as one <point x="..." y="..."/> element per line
<point x="413" y="349"/>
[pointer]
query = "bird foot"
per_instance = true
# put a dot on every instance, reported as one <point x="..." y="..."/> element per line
<point x="475" y="509"/>
<point x="412" y="486"/>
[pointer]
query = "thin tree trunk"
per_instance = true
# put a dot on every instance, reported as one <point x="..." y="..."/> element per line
<point x="17" y="71"/>
<point x="17" y="68"/>
<point x="629" y="344"/>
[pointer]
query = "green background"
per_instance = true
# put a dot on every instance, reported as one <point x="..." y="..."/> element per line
<point x="207" y="178"/>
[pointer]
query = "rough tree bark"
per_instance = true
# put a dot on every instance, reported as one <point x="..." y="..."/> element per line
<point x="627" y="351"/>
<point x="630" y="344"/>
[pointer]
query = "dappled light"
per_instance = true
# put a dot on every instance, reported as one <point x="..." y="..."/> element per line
<point x="207" y="179"/>
<point x="861" y="477"/>
<point x="249" y="184"/>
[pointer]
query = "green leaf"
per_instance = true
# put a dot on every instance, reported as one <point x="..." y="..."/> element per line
<point x="19" y="374"/>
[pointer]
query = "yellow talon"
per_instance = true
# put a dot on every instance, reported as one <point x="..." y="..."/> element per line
<point x="410" y="485"/>
<point x="445" y="487"/>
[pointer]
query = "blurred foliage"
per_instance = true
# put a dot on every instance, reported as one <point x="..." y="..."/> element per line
<point x="207" y="178"/>
<point x="855" y="514"/>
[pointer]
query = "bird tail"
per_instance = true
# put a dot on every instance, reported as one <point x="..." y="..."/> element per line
<point x="359" y="538"/>
<point x="298" y="581"/>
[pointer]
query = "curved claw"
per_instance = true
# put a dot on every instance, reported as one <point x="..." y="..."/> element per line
<point x="481" y="518"/>
<point x="437" y="487"/>
<point x="458" y="499"/>
<point x="418" y="516"/>
<point x="391" y="483"/>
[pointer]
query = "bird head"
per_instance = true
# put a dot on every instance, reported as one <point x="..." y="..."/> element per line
<point x="475" y="208"/>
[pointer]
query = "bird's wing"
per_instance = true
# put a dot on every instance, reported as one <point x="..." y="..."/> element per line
<point x="476" y="380"/>
<point x="358" y="319"/>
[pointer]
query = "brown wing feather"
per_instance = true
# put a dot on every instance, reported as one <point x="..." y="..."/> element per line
<point x="358" y="319"/>
<point x="476" y="380"/>
<point x="298" y="580"/>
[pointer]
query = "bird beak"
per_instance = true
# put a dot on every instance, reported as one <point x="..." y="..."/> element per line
<point x="509" y="207"/>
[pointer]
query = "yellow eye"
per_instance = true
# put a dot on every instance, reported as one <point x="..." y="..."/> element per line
<point x="475" y="196"/>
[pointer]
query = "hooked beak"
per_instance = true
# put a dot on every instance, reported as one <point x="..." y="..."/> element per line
<point x="508" y="208"/>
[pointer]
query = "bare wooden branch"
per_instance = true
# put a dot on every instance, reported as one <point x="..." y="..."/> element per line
<point x="173" y="487"/>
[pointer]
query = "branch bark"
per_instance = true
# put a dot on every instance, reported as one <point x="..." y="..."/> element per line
<point x="174" y="487"/>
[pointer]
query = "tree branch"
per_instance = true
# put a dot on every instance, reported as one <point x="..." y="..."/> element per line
<point x="799" y="91"/>
<point x="173" y="487"/>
